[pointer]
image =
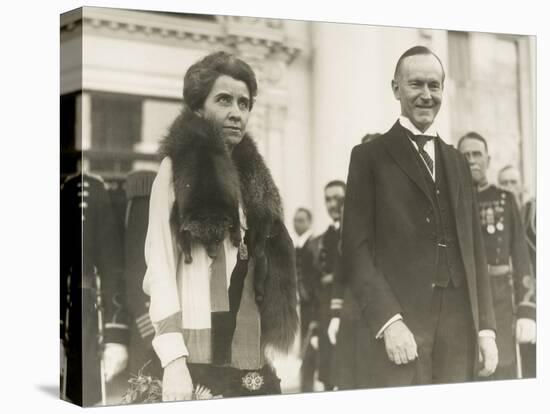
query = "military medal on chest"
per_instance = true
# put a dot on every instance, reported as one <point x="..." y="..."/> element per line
<point x="499" y="208"/>
<point x="490" y="219"/>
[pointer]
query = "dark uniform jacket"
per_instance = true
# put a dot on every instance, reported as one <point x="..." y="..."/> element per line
<point x="307" y="279"/>
<point x="528" y="351"/>
<point x="509" y="267"/>
<point x="138" y="191"/>
<point x="328" y="247"/>
<point x="91" y="270"/>
<point x="530" y="224"/>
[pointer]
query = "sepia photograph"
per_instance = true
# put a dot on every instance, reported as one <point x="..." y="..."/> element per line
<point x="272" y="206"/>
<point x="275" y="207"/>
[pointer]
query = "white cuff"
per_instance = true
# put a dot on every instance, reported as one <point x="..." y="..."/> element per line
<point x="396" y="317"/>
<point x="169" y="346"/>
<point x="487" y="333"/>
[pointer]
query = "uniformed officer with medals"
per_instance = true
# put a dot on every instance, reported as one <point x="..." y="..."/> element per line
<point x="508" y="260"/>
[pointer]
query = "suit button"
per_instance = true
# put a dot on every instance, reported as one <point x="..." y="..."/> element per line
<point x="433" y="285"/>
<point x="437" y="191"/>
<point x="427" y="220"/>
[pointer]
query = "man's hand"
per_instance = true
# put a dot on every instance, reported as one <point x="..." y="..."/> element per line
<point x="400" y="344"/>
<point x="176" y="381"/>
<point x="332" y="331"/>
<point x="526" y="331"/>
<point x="115" y="358"/>
<point x="488" y="355"/>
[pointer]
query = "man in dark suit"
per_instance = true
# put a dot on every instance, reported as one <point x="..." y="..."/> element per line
<point x="412" y="244"/>
<point x="326" y="263"/>
<point x="307" y="294"/>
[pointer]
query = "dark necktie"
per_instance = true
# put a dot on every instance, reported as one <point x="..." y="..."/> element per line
<point x="421" y="142"/>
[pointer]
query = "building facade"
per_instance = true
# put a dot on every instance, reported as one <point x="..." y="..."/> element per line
<point x="322" y="87"/>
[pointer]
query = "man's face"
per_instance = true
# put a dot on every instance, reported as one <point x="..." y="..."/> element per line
<point x="478" y="159"/>
<point x="301" y="222"/>
<point x="510" y="180"/>
<point x="419" y="89"/>
<point x="334" y="201"/>
<point x="228" y="107"/>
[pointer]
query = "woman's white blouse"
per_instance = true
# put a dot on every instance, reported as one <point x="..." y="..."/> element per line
<point x="176" y="288"/>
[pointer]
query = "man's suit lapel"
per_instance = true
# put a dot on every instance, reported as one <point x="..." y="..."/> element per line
<point x="454" y="177"/>
<point x="400" y="149"/>
<point x="450" y="163"/>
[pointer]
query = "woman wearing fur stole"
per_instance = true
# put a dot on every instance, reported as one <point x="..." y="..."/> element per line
<point x="220" y="264"/>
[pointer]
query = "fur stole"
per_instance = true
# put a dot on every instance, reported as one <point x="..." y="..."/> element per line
<point x="209" y="183"/>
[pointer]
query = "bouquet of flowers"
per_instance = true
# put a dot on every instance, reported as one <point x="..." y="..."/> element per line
<point x="148" y="389"/>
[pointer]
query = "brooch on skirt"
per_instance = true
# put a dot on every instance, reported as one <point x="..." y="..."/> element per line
<point x="253" y="381"/>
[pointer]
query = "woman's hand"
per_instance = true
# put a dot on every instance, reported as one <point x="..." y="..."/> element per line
<point x="176" y="381"/>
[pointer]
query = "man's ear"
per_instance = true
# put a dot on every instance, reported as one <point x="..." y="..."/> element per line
<point x="395" y="89"/>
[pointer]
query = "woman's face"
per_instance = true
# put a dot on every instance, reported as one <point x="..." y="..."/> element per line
<point x="228" y="107"/>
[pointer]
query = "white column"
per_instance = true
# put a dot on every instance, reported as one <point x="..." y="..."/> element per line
<point x="352" y="70"/>
<point x="83" y="131"/>
<point x="527" y="84"/>
<point x="276" y="115"/>
<point x="83" y="127"/>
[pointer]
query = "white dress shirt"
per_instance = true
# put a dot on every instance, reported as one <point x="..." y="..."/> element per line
<point x="429" y="147"/>
<point x="173" y="285"/>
